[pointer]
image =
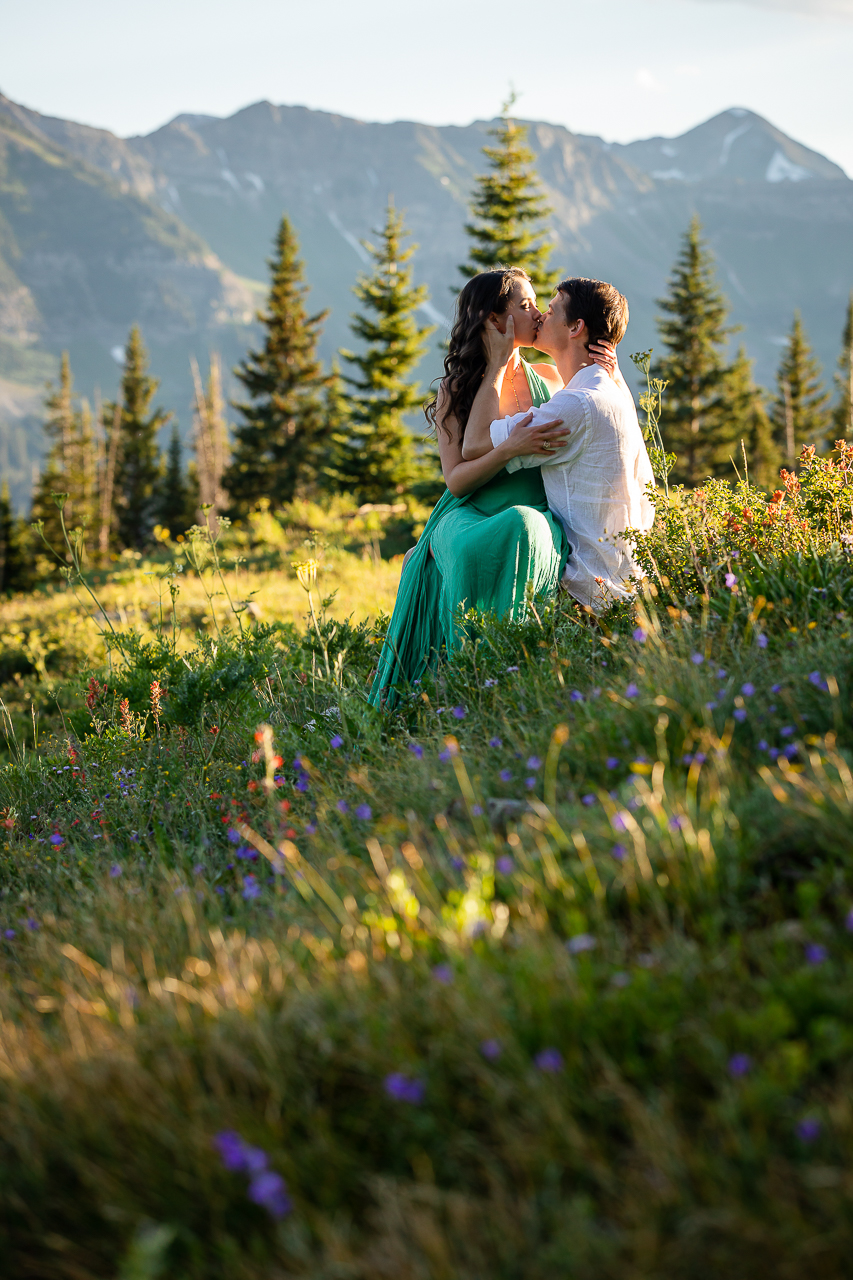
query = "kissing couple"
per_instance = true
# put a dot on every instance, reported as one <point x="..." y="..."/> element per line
<point x="545" y="467"/>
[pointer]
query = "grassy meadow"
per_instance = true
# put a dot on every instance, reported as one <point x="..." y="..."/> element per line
<point x="549" y="973"/>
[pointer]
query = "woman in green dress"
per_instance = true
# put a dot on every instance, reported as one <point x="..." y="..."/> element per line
<point x="491" y="532"/>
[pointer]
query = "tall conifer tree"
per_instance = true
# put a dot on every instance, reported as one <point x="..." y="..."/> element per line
<point x="697" y="422"/>
<point x="175" y="498"/>
<point x="15" y="563"/>
<point x="378" y="457"/>
<point x="69" y="464"/>
<point x="210" y="437"/>
<point x="743" y="402"/>
<point x="799" y="412"/>
<point x="508" y="211"/>
<point x="138" y="466"/>
<point x="842" y="414"/>
<point x="278" y="447"/>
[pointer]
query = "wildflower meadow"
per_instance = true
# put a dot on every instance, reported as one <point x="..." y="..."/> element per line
<point x="547" y="973"/>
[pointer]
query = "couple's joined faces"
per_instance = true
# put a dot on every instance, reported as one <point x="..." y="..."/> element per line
<point x="525" y="314"/>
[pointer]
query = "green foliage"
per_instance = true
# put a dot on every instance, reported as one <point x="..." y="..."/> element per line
<point x="69" y="466"/>
<point x="177" y="496"/>
<point x="280" y="447"/>
<point x="138" y="469"/>
<point x="15" y="561"/>
<point x="842" y="414"/>
<point x="508" y="210"/>
<point x="799" y="410"/>
<point x="697" y="420"/>
<point x="698" y="535"/>
<point x="651" y="402"/>
<point x="756" y="432"/>
<point x="377" y="457"/>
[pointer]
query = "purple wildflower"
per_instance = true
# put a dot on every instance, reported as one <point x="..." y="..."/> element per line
<point x="530" y="783"/>
<point x="512" y="668"/>
<point x="747" y="689"/>
<point x="534" y="763"/>
<point x="342" y="806"/>
<point x="310" y="828"/>
<point x="612" y="762"/>
<point x="762" y="746"/>
<point x="721" y="673"/>
<point x="618" y="852"/>
<point x="848" y="923"/>
<point x="477" y="810"/>
<point x="443" y="974"/>
<point x="364" y="812"/>
<point x="640" y="635"/>
<point x="251" y="888"/>
<point x="269" y="1191"/>
<point x="457" y="863"/>
<point x="786" y="731"/>
<point x="505" y="775"/>
<point x="697" y="659"/>
<point x="495" y="742"/>
<point x="676" y="823"/>
<point x="505" y="865"/>
<point x="731" y="581"/>
<point x="416" y="750"/>
<point x="761" y="640"/>
<point x="198" y="869"/>
<point x="8" y="933"/>
<point x="588" y="799"/>
<point x="405" y="1088"/>
<point x="234" y="835"/>
<point x="336" y="742"/>
<point x="618" y="822"/>
<point x="581" y="942"/>
<point x="710" y="706"/>
<point x="115" y="870"/>
<point x="774" y="753"/>
<point x="576" y="695"/>
<point x="459" y="713"/>
<point x="550" y="1060"/>
<point x="739" y="1064"/>
<point x="790" y="751"/>
<point x="302" y="783"/>
<point x="774" y="688"/>
<point x="491" y="1049"/>
<point x="631" y="691"/>
<point x="808" y="1129"/>
<point x="815" y="953"/>
<point x="489" y="684"/>
<point x="33" y="925"/>
<point x="740" y="714"/>
<point x="444" y="755"/>
<point x="56" y="838"/>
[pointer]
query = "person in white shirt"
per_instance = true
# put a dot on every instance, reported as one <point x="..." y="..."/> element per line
<point x="596" y="481"/>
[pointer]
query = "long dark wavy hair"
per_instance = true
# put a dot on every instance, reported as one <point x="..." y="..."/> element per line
<point x="489" y="293"/>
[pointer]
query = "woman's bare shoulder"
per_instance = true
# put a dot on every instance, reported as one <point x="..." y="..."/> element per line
<point x="549" y="375"/>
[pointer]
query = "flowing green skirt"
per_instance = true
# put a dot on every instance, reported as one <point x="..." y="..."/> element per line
<point x="478" y="552"/>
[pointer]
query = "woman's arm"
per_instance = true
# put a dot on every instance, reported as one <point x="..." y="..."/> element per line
<point x="486" y="407"/>
<point x="464" y="476"/>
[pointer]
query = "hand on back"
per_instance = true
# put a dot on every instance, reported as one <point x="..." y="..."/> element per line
<point x="543" y="438"/>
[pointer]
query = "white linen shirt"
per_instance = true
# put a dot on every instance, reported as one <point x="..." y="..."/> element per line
<point x="595" y="484"/>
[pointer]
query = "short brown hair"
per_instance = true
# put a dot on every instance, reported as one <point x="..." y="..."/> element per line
<point x="601" y="306"/>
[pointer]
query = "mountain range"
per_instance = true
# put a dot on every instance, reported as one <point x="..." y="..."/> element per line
<point x="173" y="230"/>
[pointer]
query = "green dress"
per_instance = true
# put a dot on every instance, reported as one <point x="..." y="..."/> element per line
<point x="486" y="547"/>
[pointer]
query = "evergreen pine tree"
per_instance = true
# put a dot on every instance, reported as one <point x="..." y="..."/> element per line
<point x="697" y="421"/>
<point x="336" y="412"/>
<point x="379" y="457"/>
<point x="175" y="508"/>
<point x="277" y="448"/>
<point x="138" y="470"/>
<point x="508" y="210"/>
<point x="56" y="474"/>
<point x="842" y="414"/>
<point x="799" y="412"/>
<point x="15" y="563"/>
<point x="210" y="438"/>
<point x="743" y="402"/>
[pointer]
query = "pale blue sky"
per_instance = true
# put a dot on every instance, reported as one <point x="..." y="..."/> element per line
<point x="624" y="69"/>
